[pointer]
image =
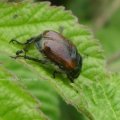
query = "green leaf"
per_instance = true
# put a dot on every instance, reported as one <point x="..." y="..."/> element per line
<point x="15" y="103"/>
<point x="40" y="89"/>
<point x="91" y="93"/>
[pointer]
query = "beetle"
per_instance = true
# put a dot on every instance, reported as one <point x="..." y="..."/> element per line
<point x="57" y="49"/>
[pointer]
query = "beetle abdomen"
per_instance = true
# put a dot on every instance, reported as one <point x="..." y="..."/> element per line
<point x="62" y="52"/>
<point x="58" y="53"/>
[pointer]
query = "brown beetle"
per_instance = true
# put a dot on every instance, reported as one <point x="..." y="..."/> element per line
<point x="57" y="49"/>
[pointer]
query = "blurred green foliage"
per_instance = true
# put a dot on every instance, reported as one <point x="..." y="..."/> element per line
<point x="109" y="35"/>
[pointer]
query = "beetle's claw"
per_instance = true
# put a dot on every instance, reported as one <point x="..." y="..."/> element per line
<point x="12" y="41"/>
<point x="19" y="52"/>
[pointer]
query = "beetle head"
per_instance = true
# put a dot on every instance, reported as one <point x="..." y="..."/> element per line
<point x="74" y="73"/>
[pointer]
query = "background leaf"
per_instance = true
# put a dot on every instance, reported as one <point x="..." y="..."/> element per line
<point x="110" y="39"/>
<point x="15" y="103"/>
<point x="40" y="89"/>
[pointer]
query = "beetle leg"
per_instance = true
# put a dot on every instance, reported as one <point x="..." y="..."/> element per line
<point x="29" y="58"/>
<point x="71" y="79"/>
<point x="56" y="72"/>
<point x="34" y="59"/>
<point x="19" y="52"/>
<point x="29" y="41"/>
<point x="15" y="41"/>
<point x="25" y="44"/>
